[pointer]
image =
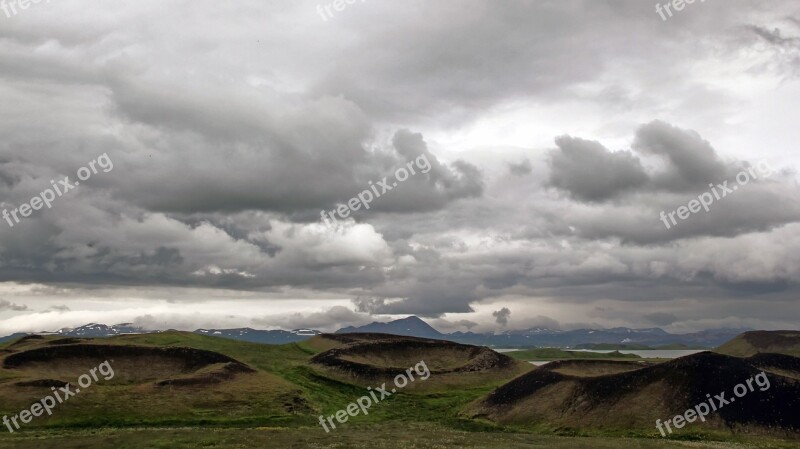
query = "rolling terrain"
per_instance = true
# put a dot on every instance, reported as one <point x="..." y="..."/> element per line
<point x="367" y="359"/>
<point x="179" y="389"/>
<point x="620" y="397"/>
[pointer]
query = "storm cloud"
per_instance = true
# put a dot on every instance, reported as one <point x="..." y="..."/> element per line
<point x="556" y="132"/>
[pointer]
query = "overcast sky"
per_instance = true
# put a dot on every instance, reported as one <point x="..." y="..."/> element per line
<point x="556" y="131"/>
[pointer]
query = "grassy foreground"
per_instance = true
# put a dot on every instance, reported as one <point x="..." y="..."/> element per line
<point x="388" y="436"/>
<point x="251" y="411"/>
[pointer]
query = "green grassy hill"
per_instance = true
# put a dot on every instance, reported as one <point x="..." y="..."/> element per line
<point x="370" y="359"/>
<point x="623" y="398"/>
<point x="754" y="342"/>
<point x="146" y="388"/>
<point x="281" y="388"/>
<point x="185" y="390"/>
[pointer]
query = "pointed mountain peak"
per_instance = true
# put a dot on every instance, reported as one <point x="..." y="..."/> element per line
<point x="412" y="326"/>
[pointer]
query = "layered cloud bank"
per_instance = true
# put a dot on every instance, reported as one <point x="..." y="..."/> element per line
<point x="554" y="141"/>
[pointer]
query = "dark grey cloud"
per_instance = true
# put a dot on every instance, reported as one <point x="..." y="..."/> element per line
<point x="589" y="172"/>
<point x="321" y="148"/>
<point x="472" y="58"/>
<point x="502" y="316"/>
<point x="689" y="167"/>
<point x="692" y="162"/>
<point x="229" y="136"/>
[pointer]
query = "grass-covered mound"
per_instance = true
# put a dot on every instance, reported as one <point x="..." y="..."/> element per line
<point x="164" y="378"/>
<point x="134" y="364"/>
<point x="366" y="359"/>
<point x="208" y="400"/>
<point x="754" y="342"/>
<point x="633" y="400"/>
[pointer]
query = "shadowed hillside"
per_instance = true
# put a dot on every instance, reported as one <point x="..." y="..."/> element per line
<point x="635" y="399"/>
<point x="157" y="378"/>
<point x="69" y="359"/>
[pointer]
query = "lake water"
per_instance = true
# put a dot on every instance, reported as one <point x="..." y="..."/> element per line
<point x="644" y="353"/>
<point x="652" y="353"/>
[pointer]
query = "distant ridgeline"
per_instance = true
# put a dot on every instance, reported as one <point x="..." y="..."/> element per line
<point x="605" y="339"/>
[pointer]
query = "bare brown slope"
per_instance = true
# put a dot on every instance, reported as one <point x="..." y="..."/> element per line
<point x="635" y="399"/>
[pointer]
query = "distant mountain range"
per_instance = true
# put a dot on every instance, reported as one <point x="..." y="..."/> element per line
<point x="275" y="337"/>
<point x="538" y="336"/>
<point x="88" y="330"/>
<point x="415" y="327"/>
<point x="12" y="337"/>
<point x="242" y="334"/>
<point x="100" y="330"/>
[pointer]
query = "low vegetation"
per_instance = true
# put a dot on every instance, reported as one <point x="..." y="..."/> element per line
<point x="631" y="400"/>
<point x="176" y="389"/>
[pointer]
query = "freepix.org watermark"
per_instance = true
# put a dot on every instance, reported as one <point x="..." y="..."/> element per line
<point x="363" y="403"/>
<point x="338" y="6"/>
<point x="365" y="198"/>
<point x="10" y="7"/>
<point x="706" y="199"/>
<point x="60" y="395"/>
<point x="713" y="404"/>
<point x="678" y="5"/>
<point x="63" y="186"/>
